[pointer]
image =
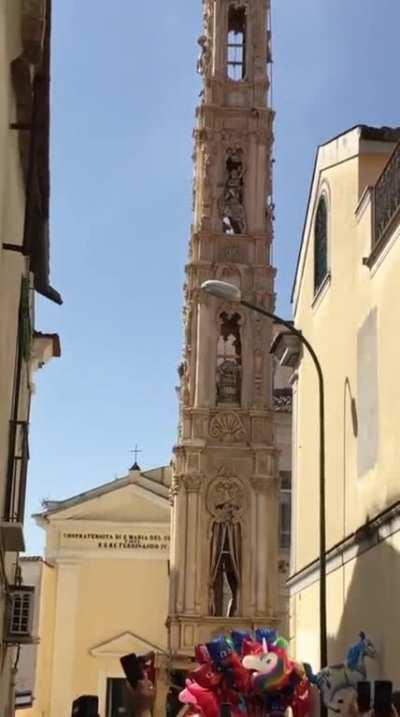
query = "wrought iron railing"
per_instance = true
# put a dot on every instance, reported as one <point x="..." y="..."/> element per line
<point x="387" y="197"/>
<point x="17" y="472"/>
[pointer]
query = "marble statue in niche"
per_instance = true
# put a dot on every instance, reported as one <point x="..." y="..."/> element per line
<point x="232" y="208"/>
<point x="229" y="359"/>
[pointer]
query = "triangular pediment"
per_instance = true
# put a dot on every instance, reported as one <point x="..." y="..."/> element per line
<point x="129" y="504"/>
<point x="135" y="499"/>
<point x="121" y="645"/>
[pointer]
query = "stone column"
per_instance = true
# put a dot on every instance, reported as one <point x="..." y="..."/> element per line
<point x="66" y="619"/>
<point x="178" y="538"/>
<point x="192" y="486"/>
<point x="206" y="356"/>
<point x="262" y="563"/>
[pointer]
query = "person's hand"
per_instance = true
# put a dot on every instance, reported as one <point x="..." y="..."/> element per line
<point x="143" y="696"/>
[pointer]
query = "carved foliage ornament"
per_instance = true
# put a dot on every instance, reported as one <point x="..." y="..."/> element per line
<point x="226" y="498"/>
<point x="227" y="427"/>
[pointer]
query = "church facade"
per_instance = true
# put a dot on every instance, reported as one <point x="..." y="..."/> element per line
<point x="103" y="592"/>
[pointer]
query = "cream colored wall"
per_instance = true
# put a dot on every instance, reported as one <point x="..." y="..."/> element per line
<point x="113" y="597"/>
<point x="12" y="265"/>
<point x="332" y="322"/>
<point x="138" y="605"/>
<point x="356" y="594"/>
<point x="95" y="600"/>
<point x="45" y="647"/>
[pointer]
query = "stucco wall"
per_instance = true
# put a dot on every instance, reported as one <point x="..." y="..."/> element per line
<point x="353" y="325"/>
<point x="12" y="265"/>
<point x="363" y="594"/>
<point x="334" y="321"/>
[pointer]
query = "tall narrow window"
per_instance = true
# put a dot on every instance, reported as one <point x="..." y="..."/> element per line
<point x="236" y="43"/>
<point x="285" y="509"/>
<point x="229" y="359"/>
<point x="320" y="244"/>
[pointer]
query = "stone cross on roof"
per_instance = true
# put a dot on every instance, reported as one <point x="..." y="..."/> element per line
<point x="135" y="451"/>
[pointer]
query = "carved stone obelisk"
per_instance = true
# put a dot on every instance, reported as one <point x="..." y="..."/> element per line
<point x="225" y="491"/>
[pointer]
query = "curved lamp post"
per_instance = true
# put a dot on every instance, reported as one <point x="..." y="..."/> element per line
<point x="232" y="293"/>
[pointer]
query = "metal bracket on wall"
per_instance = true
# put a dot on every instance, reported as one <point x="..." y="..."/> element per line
<point x="21" y="125"/>
<point x="14" y="247"/>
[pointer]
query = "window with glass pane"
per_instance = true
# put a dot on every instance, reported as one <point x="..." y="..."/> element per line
<point x="236" y="43"/>
<point x="320" y="244"/>
<point x="285" y="510"/>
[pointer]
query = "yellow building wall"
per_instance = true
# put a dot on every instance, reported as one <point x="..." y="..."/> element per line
<point x="115" y="596"/>
<point x="12" y="267"/>
<point x="46" y="645"/>
<point x="331" y="322"/>
<point x="105" y="596"/>
<point x="109" y="604"/>
<point x="364" y="593"/>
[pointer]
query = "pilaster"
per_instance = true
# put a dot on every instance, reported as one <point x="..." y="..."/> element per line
<point x="64" y="655"/>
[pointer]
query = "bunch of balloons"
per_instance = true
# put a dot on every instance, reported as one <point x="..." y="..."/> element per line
<point x="252" y="672"/>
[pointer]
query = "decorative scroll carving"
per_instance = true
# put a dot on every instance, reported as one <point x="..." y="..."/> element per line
<point x="226" y="498"/>
<point x="231" y="253"/>
<point x="193" y="483"/>
<point x="227" y="427"/>
<point x="232" y="210"/>
<point x="235" y="139"/>
<point x="176" y="486"/>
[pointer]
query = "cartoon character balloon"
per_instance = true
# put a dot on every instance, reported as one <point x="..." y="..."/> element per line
<point x="338" y="683"/>
<point x="250" y="671"/>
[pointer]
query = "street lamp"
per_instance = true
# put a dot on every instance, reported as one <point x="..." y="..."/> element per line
<point x="232" y="293"/>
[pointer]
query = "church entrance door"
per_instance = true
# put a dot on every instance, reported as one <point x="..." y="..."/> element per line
<point x="116" y="698"/>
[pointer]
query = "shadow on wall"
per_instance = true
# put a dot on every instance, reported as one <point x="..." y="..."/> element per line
<point x="372" y="604"/>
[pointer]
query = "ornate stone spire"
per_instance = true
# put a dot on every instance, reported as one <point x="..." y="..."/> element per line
<point x="224" y="561"/>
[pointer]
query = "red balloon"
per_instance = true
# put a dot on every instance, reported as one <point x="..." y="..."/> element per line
<point x="302" y="699"/>
<point x="206" y="676"/>
<point x="205" y="699"/>
<point x="241" y="676"/>
<point x="250" y="647"/>
<point x="201" y="654"/>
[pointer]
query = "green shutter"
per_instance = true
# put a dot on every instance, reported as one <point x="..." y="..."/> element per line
<point x="25" y="328"/>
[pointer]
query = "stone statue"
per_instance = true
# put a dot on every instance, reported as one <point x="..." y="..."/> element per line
<point x="228" y="381"/>
<point x="203" y="62"/>
<point x="232" y="202"/>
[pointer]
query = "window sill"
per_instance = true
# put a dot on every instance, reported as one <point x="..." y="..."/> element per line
<point x="382" y="248"/>
<point x="321" y="291"/>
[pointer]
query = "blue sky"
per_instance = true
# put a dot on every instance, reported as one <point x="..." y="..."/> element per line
<point x="124" y="90"/>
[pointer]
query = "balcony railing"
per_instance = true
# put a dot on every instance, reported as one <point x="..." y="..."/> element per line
<point x="387" y="197"/>
<point x="17" y="472"/>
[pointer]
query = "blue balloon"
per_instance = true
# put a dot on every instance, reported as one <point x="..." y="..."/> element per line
<point x="218" y="650"/>
<point x="265" y="633"/>
<point x="238" y="637"/>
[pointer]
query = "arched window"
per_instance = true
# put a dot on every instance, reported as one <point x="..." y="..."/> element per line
<point x="320" y="244"/>
<point x="229" y="359"/>
<point x="236" y="43"/>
